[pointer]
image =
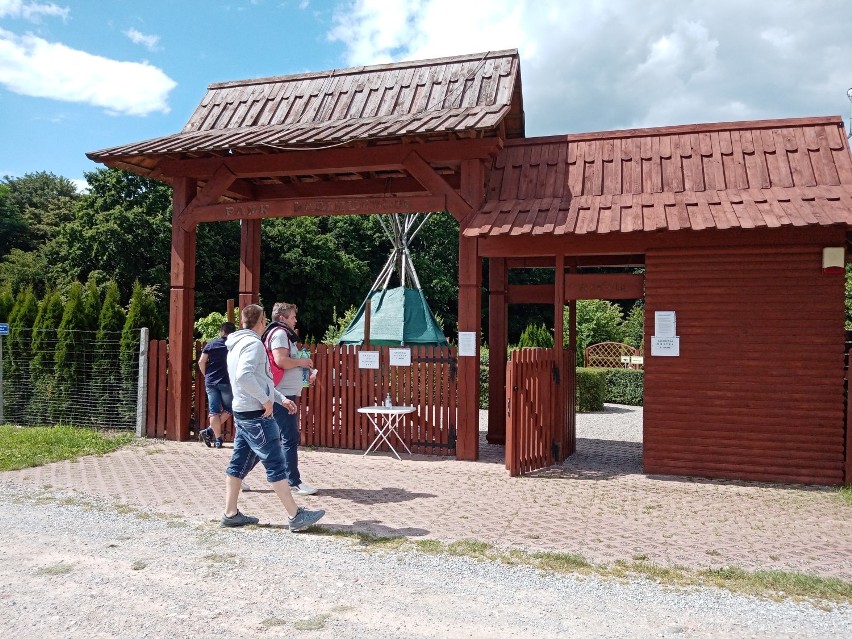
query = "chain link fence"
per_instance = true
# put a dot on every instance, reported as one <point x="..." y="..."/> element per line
<point x="86" y="379"/>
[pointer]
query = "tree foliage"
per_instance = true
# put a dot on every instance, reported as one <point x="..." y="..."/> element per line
<point x="42" y="365"/>
<point x="597" y="321"/>
<point x="536" y="336"/>
<point x="107" y="353"/>
<point x="71" y="348"/>
<point x="17" y="388"/>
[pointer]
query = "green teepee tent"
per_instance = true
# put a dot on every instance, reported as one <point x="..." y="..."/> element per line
<point x="398" y="316"/>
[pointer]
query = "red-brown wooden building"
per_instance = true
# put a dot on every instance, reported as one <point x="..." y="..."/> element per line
<point x="731" y="222"/>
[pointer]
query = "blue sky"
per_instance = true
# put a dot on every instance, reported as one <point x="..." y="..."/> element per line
<point x="82" y="75"/>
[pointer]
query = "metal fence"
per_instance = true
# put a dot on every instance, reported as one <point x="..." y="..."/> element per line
<point x="83" y="381"/>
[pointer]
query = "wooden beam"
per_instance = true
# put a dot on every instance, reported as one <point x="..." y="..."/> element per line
<point x="640" y="242"/>
<point x="636" y="259"/>
<point x="337" y="160"/>
<point x="458" y="206"/>
<point x="316" y="207"/>
<point x="249" y="262"/>
<point x="181" y="314"/>
<point x="591" y="286"/>
<point x="470" y="318"/>
<point x="221" y="179"/>
<point x="497" y="346"/>
<point x="395" y="187"/>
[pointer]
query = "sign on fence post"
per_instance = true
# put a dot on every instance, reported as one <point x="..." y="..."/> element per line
<point x="4" y="330"/>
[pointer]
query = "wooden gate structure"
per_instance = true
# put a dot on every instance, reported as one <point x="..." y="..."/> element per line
<point x="540" y="408"/>
<point x="741" y="228"/>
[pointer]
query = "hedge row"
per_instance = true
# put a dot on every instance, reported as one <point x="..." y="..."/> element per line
<point x="595" y="386"/>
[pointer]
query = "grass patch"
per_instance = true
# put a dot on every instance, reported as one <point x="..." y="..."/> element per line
<point x="561" y="561"/>
<point x="272" y="622"/>
<point x="845" y="494"/>
<point x="39" y="445"/>
<point x="772" y="584"/>
<point x="55" y="570"/>
<point x="314" y="623"/>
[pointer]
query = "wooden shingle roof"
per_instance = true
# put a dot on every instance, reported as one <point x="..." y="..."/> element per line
<point x="771" y="173"/>
<point x="474" y="95"/>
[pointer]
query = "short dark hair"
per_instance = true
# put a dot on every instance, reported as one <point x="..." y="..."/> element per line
<point x="250" y="315"/>
<point x="227" y="328"/>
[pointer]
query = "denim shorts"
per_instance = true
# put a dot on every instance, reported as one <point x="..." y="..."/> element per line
<point x="257" y="439"/>
<point x="219" y="396"/>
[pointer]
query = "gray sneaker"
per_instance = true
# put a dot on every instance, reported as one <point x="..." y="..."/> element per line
<point x="304" y="519"/>
<point x="238" y="519"/>
<point x="304" y="489"/>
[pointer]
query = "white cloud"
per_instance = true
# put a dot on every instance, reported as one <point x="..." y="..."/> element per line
<point x="592" y="65"/>
<point x="32" y="11"/>
<point x="30" y="65"/>
<point x="150" y="42"/>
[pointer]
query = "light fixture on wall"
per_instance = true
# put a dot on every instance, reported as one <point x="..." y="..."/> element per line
<point x="833" y="259"/>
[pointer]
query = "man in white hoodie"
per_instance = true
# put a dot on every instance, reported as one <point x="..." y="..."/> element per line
<point x="257" y="435"/>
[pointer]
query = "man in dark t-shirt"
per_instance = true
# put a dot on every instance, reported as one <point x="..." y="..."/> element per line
<point x="213" y="365"/>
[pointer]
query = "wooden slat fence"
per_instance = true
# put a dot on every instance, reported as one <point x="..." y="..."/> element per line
<point x="540" y="408"/>
<point x="328" y="411"/>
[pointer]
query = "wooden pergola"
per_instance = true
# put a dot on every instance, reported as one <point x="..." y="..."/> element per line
<point x="395" y="138"/>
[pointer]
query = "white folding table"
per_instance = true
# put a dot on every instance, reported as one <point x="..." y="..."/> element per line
<point x="386" y="420"/>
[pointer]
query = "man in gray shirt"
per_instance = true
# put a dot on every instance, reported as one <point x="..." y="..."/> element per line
<point x="257" y="435"/>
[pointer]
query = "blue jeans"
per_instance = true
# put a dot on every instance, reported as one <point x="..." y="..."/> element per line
<point x="289" y="426"/>
<point x="219" y="396"/>
<point x="257" y="440"/>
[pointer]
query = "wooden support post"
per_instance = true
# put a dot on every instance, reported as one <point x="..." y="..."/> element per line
<point x="249" y="262"/>
<point x="470" y="316"/>
<point x="367" y="318"/>
<point x="181" y="313"/>
<point x="229" y="311"/>
<point x="560" y="436"/>
<point x="498" y="337"/>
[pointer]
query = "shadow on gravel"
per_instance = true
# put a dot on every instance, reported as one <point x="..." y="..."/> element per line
<point x="816" y="488"/>
<point x="378" y="496"/>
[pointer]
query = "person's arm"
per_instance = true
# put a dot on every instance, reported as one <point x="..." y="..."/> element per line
<point x="281" y="355"/>
<point x="202" y="363"/>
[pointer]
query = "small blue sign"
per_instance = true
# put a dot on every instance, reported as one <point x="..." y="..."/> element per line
<point x="4" y="329"/>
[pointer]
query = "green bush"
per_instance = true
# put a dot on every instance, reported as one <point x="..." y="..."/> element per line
<point x="209" y="327"/>
<point x="535" y="336"/>
<point x="484" y="358"/>
<point x="591" y="389"/>
<point x="625" y="386"/>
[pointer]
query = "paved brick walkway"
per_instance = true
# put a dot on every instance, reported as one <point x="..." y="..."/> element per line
<point x="598" y="505"/>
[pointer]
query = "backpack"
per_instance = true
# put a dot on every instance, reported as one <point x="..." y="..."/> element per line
<point x="277" y="371"/>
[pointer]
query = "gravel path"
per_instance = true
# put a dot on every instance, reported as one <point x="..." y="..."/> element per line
<point x="79" y="567"/>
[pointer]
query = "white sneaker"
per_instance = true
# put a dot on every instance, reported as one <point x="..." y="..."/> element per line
<point x="304" y="489"/>
<point x="245" y="487"/>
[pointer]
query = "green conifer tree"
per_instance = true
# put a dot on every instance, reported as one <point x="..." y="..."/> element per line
<point x="7" y="303"/>
<point x="141" y="313"/>
<point x="92" y="303"/>
<point x="43" y="367"/>
<point x="17" y="388"/>
<point x="106" y="379"/>
<point x="70" y="355"/>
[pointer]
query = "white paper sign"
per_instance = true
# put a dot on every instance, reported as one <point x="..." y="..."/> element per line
<point x="399" y="356"/>
<point x="665" y="324"/>
<point x="665" y="346"/>
<point x="368" y="359"/>
<point x="467" y="344"/>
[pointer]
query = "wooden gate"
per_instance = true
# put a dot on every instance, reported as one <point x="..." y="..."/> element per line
<point x="540" y="408"/>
